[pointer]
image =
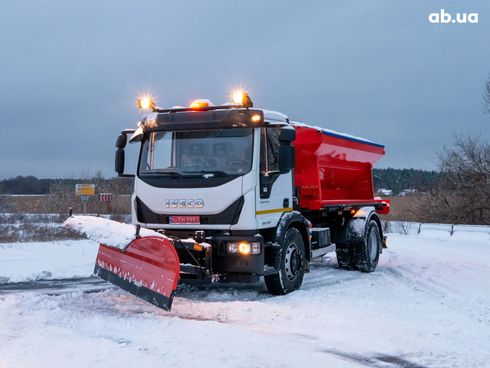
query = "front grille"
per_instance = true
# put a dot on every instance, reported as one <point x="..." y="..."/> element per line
<point x="229" y="216"/>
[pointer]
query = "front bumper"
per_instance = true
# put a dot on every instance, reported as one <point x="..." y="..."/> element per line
<point x="210" y="259"/>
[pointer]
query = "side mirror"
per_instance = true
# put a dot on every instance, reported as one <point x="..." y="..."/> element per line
<point x="119" y="159"/>
<point x="286" y="150"/>
<point x="287" y="135"/>
<point x="286" y="158"/>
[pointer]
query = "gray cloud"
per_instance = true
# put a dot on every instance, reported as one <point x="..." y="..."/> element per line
<point x="70" y="71"/>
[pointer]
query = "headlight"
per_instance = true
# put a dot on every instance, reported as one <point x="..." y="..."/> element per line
<point x="232" y="248"/>
<point x="243" y="247"/>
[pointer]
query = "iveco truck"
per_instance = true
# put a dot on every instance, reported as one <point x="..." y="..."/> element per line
<point x="237" y="193"/>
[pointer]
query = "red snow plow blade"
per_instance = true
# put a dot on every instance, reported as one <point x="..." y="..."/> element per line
<point x="148" y="268"/>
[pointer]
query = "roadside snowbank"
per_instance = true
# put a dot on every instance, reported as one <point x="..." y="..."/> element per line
<point x="47" y="260"/>
<point x="437" y="230"/>
<point x="105" y="231"/>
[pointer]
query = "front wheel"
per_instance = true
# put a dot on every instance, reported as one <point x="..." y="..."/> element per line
<point x="292" y="265"/>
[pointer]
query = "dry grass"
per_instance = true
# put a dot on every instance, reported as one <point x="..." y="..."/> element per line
<point x="60" y="203"/>
<point x="409" y="208"/>
<point x="39" y="217"/>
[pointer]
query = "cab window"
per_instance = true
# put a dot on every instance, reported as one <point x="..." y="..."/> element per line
<point x="269" y="150"/>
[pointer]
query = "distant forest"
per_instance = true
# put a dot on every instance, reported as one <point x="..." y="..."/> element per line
<point x="400" y="179"/>
<point x="25" y="185"/>
<point x="394" y="179"/>
<point x="33" y="185"/>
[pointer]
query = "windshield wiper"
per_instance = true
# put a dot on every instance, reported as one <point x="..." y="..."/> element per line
<point x="188" y="174"/>
<point x="175" y="174"/>
<point x="210" y="173"/>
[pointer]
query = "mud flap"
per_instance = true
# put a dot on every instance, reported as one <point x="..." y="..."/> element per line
<point x="148" y="268"/>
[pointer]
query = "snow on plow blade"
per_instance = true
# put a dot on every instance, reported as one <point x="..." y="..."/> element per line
<point x="148" y="268"/>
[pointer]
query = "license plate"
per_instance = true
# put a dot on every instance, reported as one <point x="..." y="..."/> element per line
<point x="184" y="220"/>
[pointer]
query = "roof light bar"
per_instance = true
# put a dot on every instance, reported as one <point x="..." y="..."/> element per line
<point x="239" y="99"/>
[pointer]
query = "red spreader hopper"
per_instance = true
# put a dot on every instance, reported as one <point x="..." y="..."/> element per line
<point x="334" y="169"/>
<point x="148" y="268"/>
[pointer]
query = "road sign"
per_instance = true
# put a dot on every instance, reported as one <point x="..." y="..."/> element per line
<point x="85" y="189"/>
<point x="105" y="197"/>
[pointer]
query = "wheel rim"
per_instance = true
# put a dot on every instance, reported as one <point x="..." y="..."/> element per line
<point x="292" y="261"/>
<point x="373" y="244"/>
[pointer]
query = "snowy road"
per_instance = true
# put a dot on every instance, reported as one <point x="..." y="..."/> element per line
<point x="427" y="305"/>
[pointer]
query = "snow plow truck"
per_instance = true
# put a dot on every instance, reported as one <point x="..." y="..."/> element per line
<point x="239" y="193"/>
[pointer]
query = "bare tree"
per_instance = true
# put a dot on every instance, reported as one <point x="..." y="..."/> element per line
<point x="486" y="96"/>
<point x="463" y="195"/>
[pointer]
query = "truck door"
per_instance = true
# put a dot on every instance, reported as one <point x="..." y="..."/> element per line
<point x="274" y="190"/>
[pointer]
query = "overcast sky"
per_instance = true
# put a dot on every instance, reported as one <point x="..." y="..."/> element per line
<point x="70" y="72"/>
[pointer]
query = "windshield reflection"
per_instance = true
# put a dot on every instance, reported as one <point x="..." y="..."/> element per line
<point x="205" y="153"/>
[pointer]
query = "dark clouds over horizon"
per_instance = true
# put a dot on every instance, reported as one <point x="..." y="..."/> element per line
<point x="70" y="72"/>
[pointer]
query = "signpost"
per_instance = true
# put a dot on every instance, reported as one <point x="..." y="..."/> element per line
<point x="107" y="198"/>
<point x="84" y="191"/>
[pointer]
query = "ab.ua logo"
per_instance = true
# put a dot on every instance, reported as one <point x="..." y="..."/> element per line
<point x="459" y="18"/>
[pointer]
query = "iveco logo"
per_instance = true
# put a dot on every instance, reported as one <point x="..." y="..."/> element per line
<point x="184" y="203"/>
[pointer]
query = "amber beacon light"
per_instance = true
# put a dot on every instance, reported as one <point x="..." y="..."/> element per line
<point x="146" y="103"/>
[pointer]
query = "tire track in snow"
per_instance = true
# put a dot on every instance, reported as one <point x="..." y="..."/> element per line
<point x="85" y="284"/>
<point x="378" y="360"/>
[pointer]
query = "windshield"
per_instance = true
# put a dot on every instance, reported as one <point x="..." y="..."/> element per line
<point x="205" y="153"/>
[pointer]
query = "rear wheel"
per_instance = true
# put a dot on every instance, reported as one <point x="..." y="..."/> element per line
<point x="292" y="266"/>
<point x="345" y="256"/>
<point x="366" y="254"/>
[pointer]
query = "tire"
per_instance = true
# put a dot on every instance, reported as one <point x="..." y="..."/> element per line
<point x="345" y="256"/>
<point x="366" y="254"/>
<point x="292" y="266"/>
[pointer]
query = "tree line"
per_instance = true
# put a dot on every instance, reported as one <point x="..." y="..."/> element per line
<point x="400" y="179"/>
<point x="395" y="179"/>
<point x="33" y="185"/>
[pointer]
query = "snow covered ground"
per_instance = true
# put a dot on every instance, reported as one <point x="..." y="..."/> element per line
<point x="427" y="305"/>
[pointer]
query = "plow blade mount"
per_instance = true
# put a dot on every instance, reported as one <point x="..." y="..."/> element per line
<point x="148" y="268"/>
